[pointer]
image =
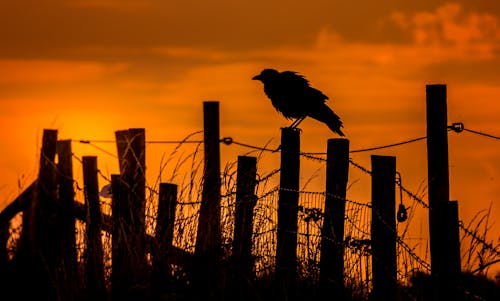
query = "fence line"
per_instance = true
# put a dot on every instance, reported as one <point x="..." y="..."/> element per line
<point x="357" y="258"/>
<point x="456" y="127"/>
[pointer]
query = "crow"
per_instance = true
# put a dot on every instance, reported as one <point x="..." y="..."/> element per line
<point x="293" y="97"/>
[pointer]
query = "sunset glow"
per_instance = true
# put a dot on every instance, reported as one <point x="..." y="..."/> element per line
<point x="90" y="68"/>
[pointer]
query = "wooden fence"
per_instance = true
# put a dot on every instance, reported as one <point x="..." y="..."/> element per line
<point x="142" y="267"/>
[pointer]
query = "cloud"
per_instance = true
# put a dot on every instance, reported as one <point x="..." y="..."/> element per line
<point x="451" y="30"/>
<point x="54" y="71"/>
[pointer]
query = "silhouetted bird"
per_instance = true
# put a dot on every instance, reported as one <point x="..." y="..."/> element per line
<point x="292" y="96"/>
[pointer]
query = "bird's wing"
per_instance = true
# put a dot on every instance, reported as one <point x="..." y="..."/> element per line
<point x="294" y="79"/>
<point x="296" y="82"/>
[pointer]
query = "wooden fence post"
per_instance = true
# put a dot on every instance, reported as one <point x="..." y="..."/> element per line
<point x="121" y="248"/>
<point x="95" y="286"/>
<point x="40" y="226"/>
<point x="209" y="233"/>
<point x="383" y="228"/>
<point x="208" y="238"/>
<point x="131" y="147"/>
<point x="243" y="225"/>
<point x="161" y="250"/>
<point x="332" y="233"/>
<point x="286" y="247"/>
<point x="67" y="218"/>
<point x="450" y="278"/>
<point x="442" y="262"/>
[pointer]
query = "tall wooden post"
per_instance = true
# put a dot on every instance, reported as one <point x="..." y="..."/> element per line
<point x="437" y="168"/>
<point x="41" y="225"/>
<point x="450" y="279"/>
<point x="95" y="286"/>
<point x="67" y="218"/>
<point x="208" y="238"/>
<point x="443" y="258"/>
<point x="243" y="226"/>
<point x="383" y="228"/>
<point x="131" y="147"/>
<point x="132" y="161"/>
<point x="161" y="251"/>
<point x="286" y="247"/>
<point x="332" y="233"/>
<point x="122" y="260"/>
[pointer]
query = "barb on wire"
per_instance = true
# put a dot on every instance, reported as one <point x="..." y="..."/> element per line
<point x="269" y="175"/>
<point x="412" y="195"/>
<point x="360" y="167"/>
<point x="479" y="239"/>
<point x="313" y="156"/>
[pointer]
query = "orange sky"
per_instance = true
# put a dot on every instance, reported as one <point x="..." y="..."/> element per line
<point x="89" y="68"/>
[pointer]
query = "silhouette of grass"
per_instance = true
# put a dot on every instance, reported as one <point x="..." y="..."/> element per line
<point x="185" y="168"/>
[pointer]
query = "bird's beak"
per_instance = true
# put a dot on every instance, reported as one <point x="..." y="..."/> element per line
<point x="257" y="77"/>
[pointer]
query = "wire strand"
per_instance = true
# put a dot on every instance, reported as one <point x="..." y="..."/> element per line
<point x="482" y="134"/>
<point x="388" y="145"/>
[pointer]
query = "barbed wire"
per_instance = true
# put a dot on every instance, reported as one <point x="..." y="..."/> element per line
<point x="360" y="167"/>
<point x="268" y="176"/>
<point x="399" y="239"/>
<point x="457" y="127"/>
<point x="413" y="196"/>
<point x="487" y="245"/>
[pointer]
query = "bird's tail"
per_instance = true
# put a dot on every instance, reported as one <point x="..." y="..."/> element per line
<point x="332" y="120"/>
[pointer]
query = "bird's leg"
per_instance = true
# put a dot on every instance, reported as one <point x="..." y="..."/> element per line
<point x="296" y="123"/>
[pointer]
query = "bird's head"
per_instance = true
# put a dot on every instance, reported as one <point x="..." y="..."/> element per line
<point x="266" y="75"/>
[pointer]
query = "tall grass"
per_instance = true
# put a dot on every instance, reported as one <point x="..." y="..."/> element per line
<point x="184" y="167"/>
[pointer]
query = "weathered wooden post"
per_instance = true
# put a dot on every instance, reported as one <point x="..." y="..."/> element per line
<point x="121" y="247"/>
<point x="131" y="147"/>
<point x="67" y="218"/>
<point x="243" y="225"/>
<point x="445" y="257"/>
<point x="41" y="226"/>
<point x="383" y="228"/>
<point x="450" y="279"/>
<point x="332" y="233"/>
<point x="286" y="247"/>
<point x="208" y="238"/>
<point x="95" y="286"/>
<point x="161" y="251"/>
